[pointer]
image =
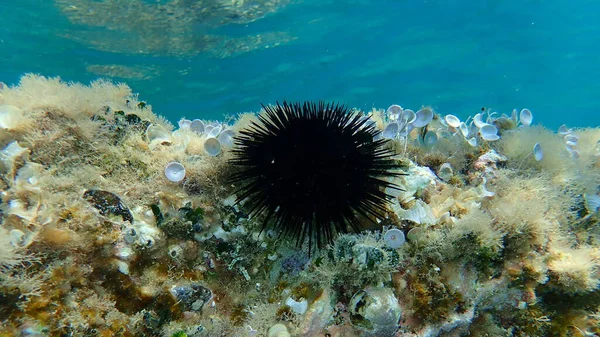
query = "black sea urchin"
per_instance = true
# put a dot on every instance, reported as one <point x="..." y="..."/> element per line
<point x="312" y="169"/>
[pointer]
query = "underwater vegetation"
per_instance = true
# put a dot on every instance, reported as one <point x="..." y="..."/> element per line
<point x="114" y="222"/>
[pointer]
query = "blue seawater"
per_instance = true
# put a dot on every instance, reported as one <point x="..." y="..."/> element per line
<point x="455" y="55"/>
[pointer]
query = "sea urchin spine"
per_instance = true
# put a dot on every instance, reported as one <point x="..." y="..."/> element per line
<point x="313" y="169"/>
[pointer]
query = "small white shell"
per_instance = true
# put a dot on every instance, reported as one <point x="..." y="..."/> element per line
<point x="472" y="141"/>
<point x="420" y="213"/>
<point x="464" y="129"/>
<point x="564" y="130"/>
<point x="122" y="266"/>
<point x="571" y="138"/>
<point x="592" y="202"/>
<point x="415" y="233"/>
<point x="526" y="117"/>
<point x="446" y="219"/>
<point x="226" y="138"/>
<point x="430" y="138"/>
<point x="278" y="330"/>
<point x="570" y="143"/>
<point x="390" y="131"/>
<point x="483" y="191"/>
<point x="10" y="153"/>
<point x="491" y="138"/>
<point x="537" y="152"/>
<point x="405" y="129"/>
<point x="489" y="132"/>
<point x="10" y="116"/>
<point x="477" y="120"/>
<point x="181" y="138"/>
<point x="452" y="121"/>
<point x="197" y="126"/>
<point x="513" y="116"/>
<point x="394" y="238"/>
<point x="408" y="116"/>
<point x="424" y="116"/>
<point x="157" y="134"/>
<point x="215" y="131"/>
<point x="184" y="123"/>
<point x="297" y="307"/>
<point x="393" y="112"/>
<point x="175" y="172"/>
<point x="212" y="146"/>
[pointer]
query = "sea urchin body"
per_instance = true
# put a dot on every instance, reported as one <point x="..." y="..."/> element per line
<point x="312" y="169"/>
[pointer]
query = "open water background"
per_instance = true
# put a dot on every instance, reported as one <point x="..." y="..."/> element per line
<point x="457" y="56"/>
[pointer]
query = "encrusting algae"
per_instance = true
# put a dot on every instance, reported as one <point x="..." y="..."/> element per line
<point x="500" y="219"/>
